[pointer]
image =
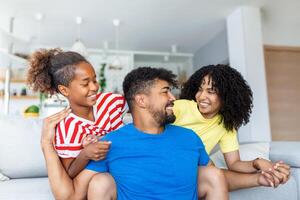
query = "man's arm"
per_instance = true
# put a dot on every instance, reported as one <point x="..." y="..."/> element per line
<point x="56" y="172"/>
<point x="61" y="184"/>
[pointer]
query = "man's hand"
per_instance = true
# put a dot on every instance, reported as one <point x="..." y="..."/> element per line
<point x="97" y="150"/>
<point x="284" y="170"/>
<point x="268" y="179"/>
<point x="49" y="124"/>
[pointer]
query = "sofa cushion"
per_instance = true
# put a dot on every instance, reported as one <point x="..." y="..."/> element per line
<point x="286" y="191"/>
<point x="296" y="175"/>
<point x="26" y="189"/>
<point x="289" y="152"/>
<point x="20" y="152"/>
<point x="3" y="177"/>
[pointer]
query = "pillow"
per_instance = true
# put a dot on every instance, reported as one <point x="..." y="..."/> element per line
<point x="20" y="152"/>
<point x="3" y="177"/>
<point x="248" y="152"/>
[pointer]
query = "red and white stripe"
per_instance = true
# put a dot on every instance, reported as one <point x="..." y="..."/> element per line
<point x="109" y="110"/>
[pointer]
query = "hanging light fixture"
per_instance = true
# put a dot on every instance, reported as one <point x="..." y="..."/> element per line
<point x="105" y="51"/>
<point x="116" y="63"/>
<point x="166" y="58"/>
<point x="78" y="46"/>
<point x="39" y="18"/>
<point x="174" y="48"/>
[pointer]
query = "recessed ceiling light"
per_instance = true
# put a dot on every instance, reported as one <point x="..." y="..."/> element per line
<point x="39" y="16"/>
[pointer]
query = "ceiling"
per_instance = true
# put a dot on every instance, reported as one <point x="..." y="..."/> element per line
<point x="146" y="25"/>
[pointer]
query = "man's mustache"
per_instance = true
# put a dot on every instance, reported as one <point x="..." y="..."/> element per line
<point x="171" y="104"/>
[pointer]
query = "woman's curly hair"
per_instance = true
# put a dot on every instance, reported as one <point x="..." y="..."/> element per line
<point x="50" y="68"/>
<point x="232" y="89"/>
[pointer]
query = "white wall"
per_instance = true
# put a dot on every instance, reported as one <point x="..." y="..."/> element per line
<point x="214" y="52"/>
<point x="280" y="26"/>
<point x="281" y="22"/>
<point x="20" y="43"/>
<point x="246" y="55"/>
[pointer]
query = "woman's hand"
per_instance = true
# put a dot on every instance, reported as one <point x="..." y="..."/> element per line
<point x="49" y="124"/>
<point x="262" y="164"/>
<point x="279" y="170"/>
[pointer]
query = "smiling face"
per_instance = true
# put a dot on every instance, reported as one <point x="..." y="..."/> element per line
<point x="82" y="90"/>
<point x="160" y="102"/>
<point x="208" y="101"/>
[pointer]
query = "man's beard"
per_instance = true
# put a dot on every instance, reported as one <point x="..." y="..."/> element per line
<point x="163" y="118"/>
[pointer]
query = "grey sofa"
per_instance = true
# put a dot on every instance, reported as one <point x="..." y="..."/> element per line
<point x="290" y="153"/>
<point x="22" y="161"/>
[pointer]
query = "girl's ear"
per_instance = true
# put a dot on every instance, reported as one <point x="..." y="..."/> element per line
<point x="63" y="90"/>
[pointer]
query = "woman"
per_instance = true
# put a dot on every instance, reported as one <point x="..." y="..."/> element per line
<point x="215" y="102"/>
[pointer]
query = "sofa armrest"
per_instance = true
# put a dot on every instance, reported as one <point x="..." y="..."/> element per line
<point x="289" y="152"/>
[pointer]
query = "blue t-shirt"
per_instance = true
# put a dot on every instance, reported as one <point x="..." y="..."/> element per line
<point x="153" y="166"/>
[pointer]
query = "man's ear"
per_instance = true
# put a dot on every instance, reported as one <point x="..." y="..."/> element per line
<point x="63" y="90"/>
<point x="140" y="100"/>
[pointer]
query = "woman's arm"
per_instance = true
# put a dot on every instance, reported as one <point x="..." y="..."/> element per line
<point x="234" y="163"/>
<point x="280" y="171"/>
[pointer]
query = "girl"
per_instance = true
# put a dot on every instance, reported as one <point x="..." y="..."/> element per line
<point x="93" y="114"/>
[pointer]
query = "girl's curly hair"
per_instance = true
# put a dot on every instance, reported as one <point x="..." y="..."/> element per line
<point x="50" y="68"/>
<point x="232" y="89"/>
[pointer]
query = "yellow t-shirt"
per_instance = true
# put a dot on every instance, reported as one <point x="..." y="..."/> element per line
<point x="211" y="131"/>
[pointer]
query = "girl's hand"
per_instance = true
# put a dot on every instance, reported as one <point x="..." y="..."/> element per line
<point x="97" y="151"/>
<point x="49" y="124"/>
<point x="89" y="139"/>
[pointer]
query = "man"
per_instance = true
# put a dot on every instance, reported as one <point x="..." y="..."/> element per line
<point x="148" y="159"/>
<point x="151" y="159"/>
<point x="215" y="102"/>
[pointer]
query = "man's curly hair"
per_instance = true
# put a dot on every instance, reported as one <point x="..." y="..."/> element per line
<point x="139" y="81"/>
<point x="232" y="89"/>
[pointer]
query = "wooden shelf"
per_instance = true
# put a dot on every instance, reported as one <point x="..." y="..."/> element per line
<point x="14" y="80"/>
<point x="21" y="97"/>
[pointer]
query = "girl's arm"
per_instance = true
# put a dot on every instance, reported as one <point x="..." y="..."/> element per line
<point x="93" y="151"/>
